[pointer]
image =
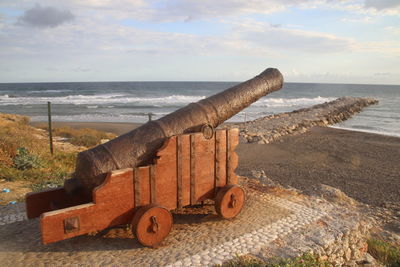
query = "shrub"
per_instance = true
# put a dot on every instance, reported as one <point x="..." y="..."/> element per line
<point x="384" y="252"/>
<point x="24" y="155"/>
<point x="24" y="160"/>
<point x="306" y="260"/>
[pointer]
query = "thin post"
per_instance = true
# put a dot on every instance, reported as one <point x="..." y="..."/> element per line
<point x="50" y="128"/>
<point x="150" y="115"/>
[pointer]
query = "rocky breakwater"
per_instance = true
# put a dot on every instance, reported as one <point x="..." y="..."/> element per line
<point x="273" y="127"/>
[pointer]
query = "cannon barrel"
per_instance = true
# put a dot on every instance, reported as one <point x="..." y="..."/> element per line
<point x="139" y="146"/>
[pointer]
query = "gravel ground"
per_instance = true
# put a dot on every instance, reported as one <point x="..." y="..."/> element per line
<point x="364" y="166"/>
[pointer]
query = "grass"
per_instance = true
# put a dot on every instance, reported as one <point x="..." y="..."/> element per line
<point x="384" y="252"/>
<point x="306" y="260"/>
<point x="25" y="156"/>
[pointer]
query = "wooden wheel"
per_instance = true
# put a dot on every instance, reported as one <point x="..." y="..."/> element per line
<point x="151" y="224"/>
<point x="229" y="201"/>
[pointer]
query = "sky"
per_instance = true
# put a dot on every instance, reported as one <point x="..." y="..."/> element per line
<point x="316" y="41"/>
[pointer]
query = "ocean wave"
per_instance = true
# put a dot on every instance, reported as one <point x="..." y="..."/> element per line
<point x="106" y="99"/>
<point x="292" y="102"/>
<point x="162" y="101"/>
<point x="48" y="91"/>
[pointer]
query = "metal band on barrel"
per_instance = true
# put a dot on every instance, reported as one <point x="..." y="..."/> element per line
<point x="115" y="161"/>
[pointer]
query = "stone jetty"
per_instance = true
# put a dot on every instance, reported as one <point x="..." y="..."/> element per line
<point x="270" y="128"/>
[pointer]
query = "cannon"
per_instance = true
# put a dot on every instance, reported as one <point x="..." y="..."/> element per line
<point x="139" y="177"/>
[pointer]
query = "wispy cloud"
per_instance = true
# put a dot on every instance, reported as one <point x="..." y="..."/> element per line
<point x="78" y="36"/>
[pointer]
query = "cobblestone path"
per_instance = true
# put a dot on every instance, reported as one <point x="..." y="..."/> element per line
<point x="198" y="239"/>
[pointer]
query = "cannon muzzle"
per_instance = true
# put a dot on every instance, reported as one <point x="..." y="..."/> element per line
<point x="139" y="146"/>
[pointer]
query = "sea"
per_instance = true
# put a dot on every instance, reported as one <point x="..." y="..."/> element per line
<point x="134" y="101"/>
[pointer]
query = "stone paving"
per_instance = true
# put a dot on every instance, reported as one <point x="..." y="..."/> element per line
<point x="12" y="213"/>
<point x="200" y="239"/>
<point x="253" y="242"/>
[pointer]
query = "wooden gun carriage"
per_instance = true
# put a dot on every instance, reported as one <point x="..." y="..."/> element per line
<point x="187" y="170"/>
<point x="138" y="177"/>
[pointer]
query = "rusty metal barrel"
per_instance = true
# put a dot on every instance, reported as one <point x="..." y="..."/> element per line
<point x="139" y="146"/>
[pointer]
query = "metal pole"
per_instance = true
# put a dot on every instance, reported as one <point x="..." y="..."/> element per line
<point x="50" y="129"/>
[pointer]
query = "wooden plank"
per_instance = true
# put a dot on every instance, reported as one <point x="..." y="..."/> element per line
<point x="232" y="140"/>
<point x="193" y="178"/>
<point x="113" y="204"/>
<point x="40" y="202"/>
<point x="220" y="158"/>
<point x="205" y="168"/>
<point x="137" y="187"/>
<point x="179" y="169"/>
<point x="186" y="169"/>
<point x="166" y="173"/>
<point x="153" y="184"/>
<point x="145" y="195"/>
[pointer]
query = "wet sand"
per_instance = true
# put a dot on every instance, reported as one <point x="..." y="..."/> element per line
<point x="365" y="166"/>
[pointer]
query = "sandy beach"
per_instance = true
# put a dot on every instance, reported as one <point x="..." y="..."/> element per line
<point x="363" y="165"/>
<point x="111" y="127"/>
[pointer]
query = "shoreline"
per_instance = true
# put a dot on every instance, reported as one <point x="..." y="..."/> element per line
<point x="364" y="131"/>
<point x="117" y="128"/>
<point x="124" y="127"/>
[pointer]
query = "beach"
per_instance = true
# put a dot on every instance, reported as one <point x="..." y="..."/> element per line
<point x="365" y="166"/>
<point x="288" y="210"/>
<point x="117" y="128"/>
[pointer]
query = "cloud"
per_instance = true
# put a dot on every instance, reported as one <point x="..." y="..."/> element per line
<point x="382" y="4"/>
<point x="189" y="10"/>
<point x="393" y="30"/>
<point x="269" y="36"/>
<point x="364" y="20"/>
<point x="44" y="17"/>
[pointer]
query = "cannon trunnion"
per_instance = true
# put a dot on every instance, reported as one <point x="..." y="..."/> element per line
<point x="187" y="170"/>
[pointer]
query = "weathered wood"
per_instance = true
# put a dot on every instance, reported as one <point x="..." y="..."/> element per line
<point x="179" y="169"/>
<point x="151" y="224"/>
<point x="220" y="159"/>
<point x="166" y="166"/>
<point x="144" y="177"/>
<point x="153" y="184"/>
<point x="193" y="177"/>
<point x="205" y="169"/>
<point x="232" y="140"/>
<point x="137" y="187"/>
<point x="229" y="201"/>
<point x="188" y="169"/>
<point x="112" y="205"/>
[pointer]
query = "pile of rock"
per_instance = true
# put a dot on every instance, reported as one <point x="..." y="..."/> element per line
<point x="273" y="127"/>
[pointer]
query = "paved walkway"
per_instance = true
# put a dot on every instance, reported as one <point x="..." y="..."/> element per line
<point x="198" y="239"/>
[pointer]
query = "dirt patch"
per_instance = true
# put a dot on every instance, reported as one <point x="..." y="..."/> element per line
<point x="17" y="191"/>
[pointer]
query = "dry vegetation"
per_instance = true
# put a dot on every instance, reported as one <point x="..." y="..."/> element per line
<point x="82" y="137"/>
<point x="25" y="156"/>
